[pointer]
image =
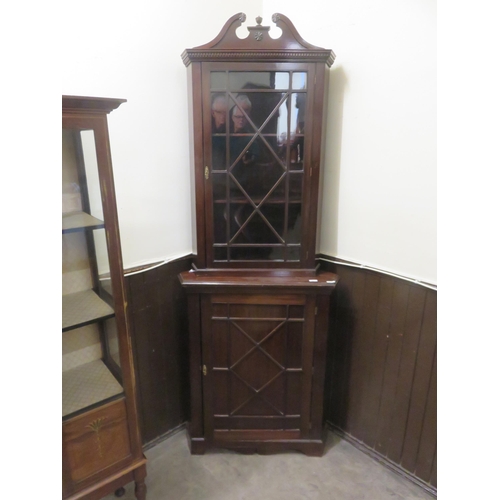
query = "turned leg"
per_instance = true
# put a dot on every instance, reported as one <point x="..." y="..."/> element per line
<point x="140" y="490"/>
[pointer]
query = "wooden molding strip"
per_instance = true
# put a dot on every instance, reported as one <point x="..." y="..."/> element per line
<point x="151" y="444"/>
<point x="342" y="262"/>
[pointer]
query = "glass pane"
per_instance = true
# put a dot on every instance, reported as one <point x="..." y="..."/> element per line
<point x="299" y="80"/>
<point x="258" y="128"/>
<point x="294" y="226"/>
<point x="295" y="186"/>
<point x="218" y="80"/>
<point x="257" y="80"/>
<point x="257" y="253"/>
<point x="220" y="223"/>
<point x="220" y="254"/>
<point x="112" y="337"/>
<point x="241" y="116"/>
<point x="298" y="114"/>
<point x="258" y="170"/>
<point x="89" y="341"/>
<point x="263" y="226"/>
<point x="219" y="106"/>
<point x="293" y="254"/>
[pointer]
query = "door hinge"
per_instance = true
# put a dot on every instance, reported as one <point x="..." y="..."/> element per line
<point x="315" y="311"/>
<point x="207" y="173"/>
<point x="205" y="370"/>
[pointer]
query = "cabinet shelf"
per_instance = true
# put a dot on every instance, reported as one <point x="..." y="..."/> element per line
<point x="79" y="221"/>
<point x="82" y="308"/>
<point x="87" y="385"/>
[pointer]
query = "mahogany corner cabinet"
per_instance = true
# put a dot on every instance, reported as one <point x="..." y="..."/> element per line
<point x="258" y="307"/>
<point x="101" y="443"/>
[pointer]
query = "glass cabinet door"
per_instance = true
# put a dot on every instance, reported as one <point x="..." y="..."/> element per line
<point x="90" y="359"/>
<point x="255" y="155"/>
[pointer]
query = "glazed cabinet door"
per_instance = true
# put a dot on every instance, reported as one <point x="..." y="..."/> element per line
<point x="91" y="362"/>
<point x="258" y="152"/>
<point x="257" y="354"/>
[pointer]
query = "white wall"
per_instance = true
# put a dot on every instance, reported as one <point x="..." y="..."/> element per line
<point x="133" y="51"/>
<point x="379" y="192"/>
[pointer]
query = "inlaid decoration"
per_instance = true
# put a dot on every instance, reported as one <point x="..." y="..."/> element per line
<point x="96" y="426"/>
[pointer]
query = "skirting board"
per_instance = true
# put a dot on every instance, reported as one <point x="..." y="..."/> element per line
<point x="161" y="438"/>
<point x="383" y="460"/>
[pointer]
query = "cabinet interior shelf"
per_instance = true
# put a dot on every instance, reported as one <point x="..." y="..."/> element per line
<point x="78" y="221"/>
<point x="87" y="385"/>
<point x="82" y="308"/>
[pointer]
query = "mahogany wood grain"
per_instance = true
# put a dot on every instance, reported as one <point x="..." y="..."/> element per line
<point x="401" y="404"/>
<point x="392" y="366"/>
<point x="97" y="440"/>
<point x="420" y="389"/>
<point x="382" y="391"/>
<point x="158" y="312"/>
<point x="373" y="391"/>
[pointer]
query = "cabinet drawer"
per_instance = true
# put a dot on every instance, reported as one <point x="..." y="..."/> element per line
<point x="96" y="441"/>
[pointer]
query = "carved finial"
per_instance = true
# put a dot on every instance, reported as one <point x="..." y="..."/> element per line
<point x="259" y="20"/>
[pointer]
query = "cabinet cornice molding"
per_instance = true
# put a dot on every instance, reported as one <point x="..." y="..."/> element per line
<point x="258" y="45"/>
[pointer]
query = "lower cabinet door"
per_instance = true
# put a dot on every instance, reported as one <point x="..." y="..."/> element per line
<point x="93" y="442"/>
<point x="257" y="362"/>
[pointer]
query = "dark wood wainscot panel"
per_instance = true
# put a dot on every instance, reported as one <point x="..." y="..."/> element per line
<point x="381" y="381"/>
<point x="158" y="317"/>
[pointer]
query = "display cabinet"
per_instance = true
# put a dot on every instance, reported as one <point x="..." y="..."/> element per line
<point x="258" y="307"/>
<point x="102" y="449"/>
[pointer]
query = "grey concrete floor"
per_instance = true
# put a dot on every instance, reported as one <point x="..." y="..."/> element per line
<point x="343" y="473"/>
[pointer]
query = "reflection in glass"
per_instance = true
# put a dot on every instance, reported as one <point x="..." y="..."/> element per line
<point x="299" y="80"/>
<point x="218" y="79"/>
<point x="258" y="125"/>
<point x="219" y="113"/>
<point x="243" y="80"/>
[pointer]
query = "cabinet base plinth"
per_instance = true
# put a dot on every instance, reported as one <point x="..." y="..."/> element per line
<point x="197" y="446"/>
<point x="310" y="448"/>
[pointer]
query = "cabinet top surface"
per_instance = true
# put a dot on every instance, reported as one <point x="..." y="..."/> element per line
<point x="95" y="104"/>
<point x="322" y="280"/>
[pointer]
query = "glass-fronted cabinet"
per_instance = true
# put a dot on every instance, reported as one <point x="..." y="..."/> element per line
<point x="100" y="430"/>
<point x="258" y="120"/>
<point x="258" y="306"/>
